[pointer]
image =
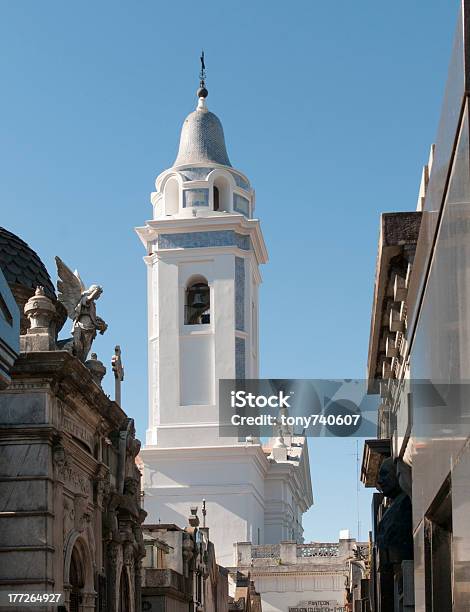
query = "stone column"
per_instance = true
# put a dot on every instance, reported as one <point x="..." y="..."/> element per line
<point x="242" y="553"/>
<point x="89" y="601"/>
<point x="113" y="570"/>
<point x="346" y="546"/>
<point x="288" y="552"/>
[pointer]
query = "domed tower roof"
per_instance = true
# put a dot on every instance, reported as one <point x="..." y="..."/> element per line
<point x="202" y="137"/>
<point x="24" y="271"/>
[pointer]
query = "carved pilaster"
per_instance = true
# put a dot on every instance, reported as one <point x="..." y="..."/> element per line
<point x="114" y="557"/>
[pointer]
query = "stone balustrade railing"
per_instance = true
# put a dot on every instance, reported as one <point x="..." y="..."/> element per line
<point x="267" y="551"/>
<point x="317" y="549"/>
<point x="290" y="552"/>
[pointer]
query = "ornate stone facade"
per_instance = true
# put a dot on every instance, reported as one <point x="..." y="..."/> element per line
<point x="70" y="515"/>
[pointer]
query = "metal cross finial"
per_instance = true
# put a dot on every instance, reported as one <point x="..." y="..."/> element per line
<point x="118" y="370"/>
<point x="202" y="73"/>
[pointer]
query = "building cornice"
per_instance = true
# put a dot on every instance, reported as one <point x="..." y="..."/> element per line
<point x="68" y="378"/>
<point x="236" y="222"/>
<point x="219" y="453"/>
<point x="398" y="239"/>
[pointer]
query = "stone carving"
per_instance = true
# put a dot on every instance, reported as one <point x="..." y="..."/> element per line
<point x="114" y="554"/>
<point x="59" y="459"/>
<point x="118" y="369"/>
<point x="68" y="516"/>
<point x="128" y="447"/>
<point x="102" y="486"/>
<point x="97" y="368"/>
<point x="78" y="430"/>
<point x="91" y="536"/>
<point x="74" y="480"/>
<point x="81" y="515"/>
<point x="129" y="554"/>
<point x="394" y="534"/>
<point x="80" y="305"/>
<point x="188" y="550"/>
<point x="40" y="311"/>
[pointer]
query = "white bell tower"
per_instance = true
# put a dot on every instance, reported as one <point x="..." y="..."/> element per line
<point x="203" y="253"/>
<point x="204" y="249"/>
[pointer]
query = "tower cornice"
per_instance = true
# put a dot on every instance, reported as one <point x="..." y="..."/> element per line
<point x="149" y="233"/>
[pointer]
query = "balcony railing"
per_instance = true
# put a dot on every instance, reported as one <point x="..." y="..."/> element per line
<point x="317" y="549"/>
<point x="268" y="551"/>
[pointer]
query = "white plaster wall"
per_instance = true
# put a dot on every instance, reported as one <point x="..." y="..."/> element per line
<point x="187" y="361"/>
<point x="281" y="509"/>
<point x="278" y="593"/>
<point x="230" y="479"/>
<point x="197" y="369"/>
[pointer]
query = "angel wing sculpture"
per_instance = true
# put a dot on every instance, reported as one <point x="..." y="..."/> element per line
<point x="81" y="308"/>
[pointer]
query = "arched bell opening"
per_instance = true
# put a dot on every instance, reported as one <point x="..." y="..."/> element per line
<point x="171" y="197"/>
<point x="197" y="302"/>
<point x="221" y="194"/>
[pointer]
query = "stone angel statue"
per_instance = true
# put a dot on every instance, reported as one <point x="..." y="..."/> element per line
<point x="81" y="308"/>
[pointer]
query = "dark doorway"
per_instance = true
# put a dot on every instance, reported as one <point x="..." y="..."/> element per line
<point x="77" y="581"/>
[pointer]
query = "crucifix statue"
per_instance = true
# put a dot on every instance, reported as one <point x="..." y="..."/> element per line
<point x="118" y="370"/>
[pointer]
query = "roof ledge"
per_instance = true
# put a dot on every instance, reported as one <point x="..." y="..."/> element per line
<point x="375" y="451"/>
<point x="398" y="236"/>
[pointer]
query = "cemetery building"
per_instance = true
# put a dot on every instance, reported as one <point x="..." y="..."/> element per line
<point x="312" y="577"/>
<point x="70" y="515"/>
<point x="180" y="572"/>
<point x="419" y="362"/>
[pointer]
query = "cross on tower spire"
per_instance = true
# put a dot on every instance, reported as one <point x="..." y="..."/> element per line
<point x="202" y="91"/>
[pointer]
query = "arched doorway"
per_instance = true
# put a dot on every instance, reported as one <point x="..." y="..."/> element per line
<point x="124" y="592"/>
<point x="77" y="581"/>
<point x="78" y="575"/>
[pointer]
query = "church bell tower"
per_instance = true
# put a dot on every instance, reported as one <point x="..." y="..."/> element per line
<point x="204" y="248"/>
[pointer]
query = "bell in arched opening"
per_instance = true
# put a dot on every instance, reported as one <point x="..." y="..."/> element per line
<point x="197" y="308"/>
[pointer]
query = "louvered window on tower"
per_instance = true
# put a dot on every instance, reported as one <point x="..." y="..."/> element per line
<point x="197" y="307"/>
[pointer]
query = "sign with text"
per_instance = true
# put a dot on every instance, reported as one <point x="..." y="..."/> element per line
<point x="318" y="605"/>
<point x="267" y="407"/>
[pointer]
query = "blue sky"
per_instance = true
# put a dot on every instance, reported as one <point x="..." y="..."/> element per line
<point x="329" y="108"/>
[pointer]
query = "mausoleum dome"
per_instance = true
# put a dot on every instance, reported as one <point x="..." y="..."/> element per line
<point x="202" y="139"/>
<point x="24" y="271"/>
<point x="22" y="266"/>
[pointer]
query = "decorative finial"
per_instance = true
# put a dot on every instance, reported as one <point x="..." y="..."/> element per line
<point x="202" y="91"/>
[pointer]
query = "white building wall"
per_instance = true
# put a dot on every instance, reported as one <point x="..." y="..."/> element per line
<point x="278" y="593"/>
<point x="231" y="480"/>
